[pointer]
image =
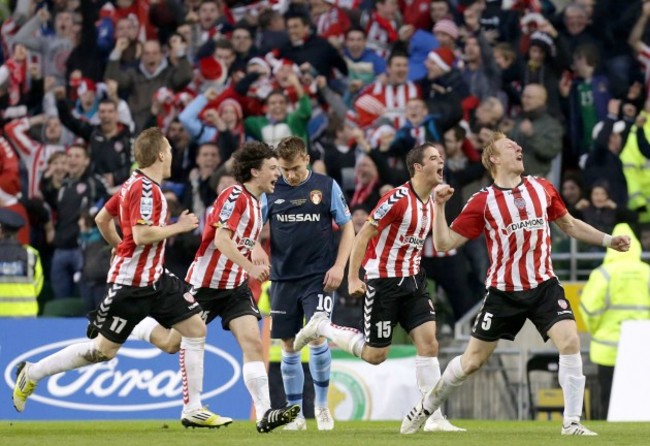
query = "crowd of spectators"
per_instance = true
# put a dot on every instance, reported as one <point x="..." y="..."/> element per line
<point x="361" y="81"/>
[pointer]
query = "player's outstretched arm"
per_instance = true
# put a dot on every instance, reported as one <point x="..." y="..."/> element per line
<point x="444" y="238"/>
<point x="356" y="287"/>
<point x="146" y="235"/>
<point x="584" y="232"/>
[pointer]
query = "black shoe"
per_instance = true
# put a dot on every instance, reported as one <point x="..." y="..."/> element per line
<point x="277" y="417"/>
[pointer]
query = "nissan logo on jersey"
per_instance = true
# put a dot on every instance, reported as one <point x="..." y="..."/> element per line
<point x="293" y="218"/>
<point x="141" y="380"/>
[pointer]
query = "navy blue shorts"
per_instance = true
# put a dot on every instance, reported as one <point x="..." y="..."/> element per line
<point x="295" y="301"/>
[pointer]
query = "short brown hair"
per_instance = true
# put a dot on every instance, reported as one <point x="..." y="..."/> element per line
<point x="147" y="146"/>
<point x="489" y="151"/>
<point x="416" y="156"/>
<point x="290" y="147"/>
<point x="251" y="155"/>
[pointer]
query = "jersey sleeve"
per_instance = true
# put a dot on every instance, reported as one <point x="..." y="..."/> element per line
<point x="265" y="208"/>
<point x="388" y="210"/>
<point x="471" y="220"/>
<point x="144" y="204"/>
<point x="339" y="207"/>
<point x="556" y="206"/>
<point x="228" y="209"/>
<point x="112" y="206"/>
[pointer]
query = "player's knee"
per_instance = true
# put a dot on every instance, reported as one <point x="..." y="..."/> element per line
<point x="196" y="330"/>
<point x="472" y="363"/>
<point x="170" y="347"/>
<point x="569" y="344"/>
<point x="375" y="357"/>
<point x="252" y="347"/>
<point x="428" y="348"/>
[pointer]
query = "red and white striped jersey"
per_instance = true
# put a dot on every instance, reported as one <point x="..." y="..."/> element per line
<point x="235" y="209"/>
<point x="385" y="100"/>
<point x="516" y="226"/>
<point x="333" y="23"/>
<point x="141" y="203"/>
<point x="34" y="154"/>
<point x="403" y="222"/>
<point x="380" y="32"/>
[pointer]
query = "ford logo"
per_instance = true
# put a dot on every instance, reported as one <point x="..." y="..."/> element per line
<point x="127" y="383"/>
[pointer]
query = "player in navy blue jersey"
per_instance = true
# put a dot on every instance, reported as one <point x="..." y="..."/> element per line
<point x="307" y="266"/>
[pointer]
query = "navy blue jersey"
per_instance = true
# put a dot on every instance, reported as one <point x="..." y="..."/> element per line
<point x="302" y="239"/>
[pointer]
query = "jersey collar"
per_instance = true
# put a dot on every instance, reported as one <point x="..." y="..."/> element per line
<point x="146" y="176"/>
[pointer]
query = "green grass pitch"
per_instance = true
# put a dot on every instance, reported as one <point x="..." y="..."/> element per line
<point x="356" y="433"/>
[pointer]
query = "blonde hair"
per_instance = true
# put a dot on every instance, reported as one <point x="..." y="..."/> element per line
<point x="147" y="146"/>
<point x="489" y="151"/>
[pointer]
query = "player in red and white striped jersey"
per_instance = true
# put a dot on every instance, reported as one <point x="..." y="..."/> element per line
<point x="219" y="275"/>
<point x="390" y="246"/>
<point x="515" y="213"/>
<point x="150" y="291"/>
<point x="237" y="210"/>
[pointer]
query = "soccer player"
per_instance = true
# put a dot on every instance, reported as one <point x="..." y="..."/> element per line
<point x="306" y="268"/>
<point x="514" y="213"/>
<point x="139" y="286"/>
<point x="219" y="273"/>
<point x="390" y="247"/>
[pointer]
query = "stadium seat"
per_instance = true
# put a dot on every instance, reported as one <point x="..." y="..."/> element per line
<point x="547" y="403"/>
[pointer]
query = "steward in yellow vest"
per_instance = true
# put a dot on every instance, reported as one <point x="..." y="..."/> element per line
<point x="617" y="291"/>
<point x="21" y="273"/>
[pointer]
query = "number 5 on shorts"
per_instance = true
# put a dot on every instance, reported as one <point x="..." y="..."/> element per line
<point x="487" y="321"/>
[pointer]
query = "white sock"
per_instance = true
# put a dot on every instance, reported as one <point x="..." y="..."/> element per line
<point x="451" y="379"/>
<point x="191" y="362"/>
<point x="427" y="375"/>
<point x="572" y="382"/>
<point x="143" y="330"/>
<point x="346" y="338"/>
<point x="257" y="383"/>
<point x="68" y="358"/>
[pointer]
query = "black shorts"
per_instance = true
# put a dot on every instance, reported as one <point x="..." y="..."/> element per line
<point x="294" y="301"/>
<point x="227" y="304"/>
<point x="403" y="300"/>
<point x="504" y="313"/>
<point x="168" y="301"/>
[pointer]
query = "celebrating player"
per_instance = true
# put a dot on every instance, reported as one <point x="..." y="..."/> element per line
<point x="139" y="286"/>
<point x="514" y="213"/>
<point x="390" y="247"/>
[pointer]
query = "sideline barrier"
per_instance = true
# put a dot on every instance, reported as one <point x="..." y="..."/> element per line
<point x="361" y="391"/>
<point x="144" y="383"/>
<point x="140" y="383"/>
<point x="631" y="387"/>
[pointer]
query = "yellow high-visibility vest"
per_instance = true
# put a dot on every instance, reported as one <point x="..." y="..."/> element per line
<point x="18" y="292"/>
